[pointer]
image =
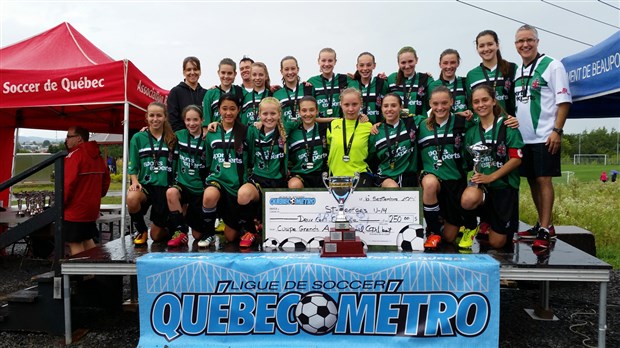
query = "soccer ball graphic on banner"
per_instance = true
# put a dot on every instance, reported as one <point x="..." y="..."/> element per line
<point x="293" y="243"/>
<point x="410" y="238"/>
<point x="315" y="243"/>
<point x="270" y="243"/>
<point x="316" y="313"/>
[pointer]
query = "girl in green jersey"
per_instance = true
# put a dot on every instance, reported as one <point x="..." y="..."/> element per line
<point x="372" y="88"/>
<point x="394" y="145"/>
<point x="292" y="89"/>
<point x="150" y="171"/>
<point x="494" y="70"/>
<point x="449" y="61"/>
<point x="226" y="159"/>
<point x="226" y="71"/>
<point x="268" y="155"/>
<point x="307" y="146"/>
<point x="410" y="85"/>
<point x="261" y="80"/>
<point x="328" y="85"/>
<point x="188" y="187"/>
<point x="498" y="175"/>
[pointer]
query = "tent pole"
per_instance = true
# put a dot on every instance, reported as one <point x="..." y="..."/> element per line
<point x="124" y="183"/>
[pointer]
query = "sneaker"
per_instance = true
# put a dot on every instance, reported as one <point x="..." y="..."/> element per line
<point x="247" y="239"/>
<point x="529" y="233"/>
<point x="140" y="238"/>
<point x="542" y="239"/>
<point x="468" y="237"/>
<point x="178" y="239"/>
<point x="432" y="242"/>
<point x="207" y="242"/>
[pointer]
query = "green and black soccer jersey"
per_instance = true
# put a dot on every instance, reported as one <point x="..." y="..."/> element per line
<point x="249" y="107"/>
<point x="289" y="100"/>
<point x="459" y="90"/>
<point x="150" y="159"/>
<point x="503" y="85"/>
<point x="372" y="96"/>
<point x="267" y="153"/>
<point x="307" y="149"/>
<point x="327" y="93"/>
<point x="189" y="161"/>
<point x="211" y="103"/>
<point x="441" y="148"/>
<point x="414" y="92"/>
<point x="502" y="140"/>
<point x="395" y="147"/>
<point x="227" y="165"/>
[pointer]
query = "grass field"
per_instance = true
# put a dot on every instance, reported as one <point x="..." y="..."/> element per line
<point x="581" y="201"/>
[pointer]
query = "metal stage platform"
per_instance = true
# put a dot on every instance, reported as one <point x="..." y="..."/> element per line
<point x="563" y="263"/>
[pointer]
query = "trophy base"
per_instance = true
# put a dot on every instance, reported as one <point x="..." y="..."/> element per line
<point x="342" y="248"/>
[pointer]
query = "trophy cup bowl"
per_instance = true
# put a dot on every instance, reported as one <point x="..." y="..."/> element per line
<point x="477" y="151"/>
<point x="342" y="240"/>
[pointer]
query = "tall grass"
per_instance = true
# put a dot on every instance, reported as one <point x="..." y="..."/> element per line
<point x="591" y="205"/>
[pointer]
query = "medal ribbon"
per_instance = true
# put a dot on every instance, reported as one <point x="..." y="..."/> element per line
<point x="156" y="154"/>
<point x="441" y="147"/>
<point x="347" y="149"/>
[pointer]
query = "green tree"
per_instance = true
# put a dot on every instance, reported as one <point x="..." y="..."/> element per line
<point x="56" y="148"/>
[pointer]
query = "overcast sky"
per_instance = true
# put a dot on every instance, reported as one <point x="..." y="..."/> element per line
<point x="157" y="35"/>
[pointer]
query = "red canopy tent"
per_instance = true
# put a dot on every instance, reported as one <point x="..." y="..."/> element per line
<point x="59" y="79"/>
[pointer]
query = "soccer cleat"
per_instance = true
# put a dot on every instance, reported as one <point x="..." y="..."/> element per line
<point x="529" y="233"/>
<point x="542" y="240"/>
<point x="140" y="238"/>
<point x="247" y="239"/>
<point x="432" y="242"/>
<point x="219" y="225"/>
<point x="178" y="239"/>
<point x="207" y="242"/>
<point x="468" y="237"/>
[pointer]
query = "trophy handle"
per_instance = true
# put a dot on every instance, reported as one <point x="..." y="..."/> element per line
<point x="325" y="177"/>
<point x="355" y="181"/>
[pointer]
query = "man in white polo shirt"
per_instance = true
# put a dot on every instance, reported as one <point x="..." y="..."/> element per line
<point x="543" y="99"/>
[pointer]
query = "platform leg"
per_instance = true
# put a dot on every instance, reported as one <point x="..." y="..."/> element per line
<point x="67" y="307"/>
<point x="544" y="311"/>
<point x="133" y="285"/>
<point x="602" y="315"/>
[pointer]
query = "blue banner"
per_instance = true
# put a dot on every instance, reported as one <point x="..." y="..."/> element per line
<point x="303" y="300"/>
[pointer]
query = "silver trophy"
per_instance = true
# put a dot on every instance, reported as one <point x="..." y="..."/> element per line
<point x="341" y="188"/>
<point x="342" y="240"/>
<point x="477" y="151"/>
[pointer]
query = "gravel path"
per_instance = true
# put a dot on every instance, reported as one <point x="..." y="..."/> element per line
<point x="576" y="304"/>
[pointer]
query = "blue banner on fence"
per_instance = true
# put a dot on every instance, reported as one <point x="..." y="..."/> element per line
<point x="303" y="300"/>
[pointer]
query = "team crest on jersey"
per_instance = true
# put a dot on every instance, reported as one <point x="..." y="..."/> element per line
<point x="457" y="142"/>
<point x="281" y="143"/>
<point x="507" y="84"/>
<point x="421" y="91"/>
<point x="379" y="100"/>
<point x="501" y="150"/>
<point x="536" y="84"/>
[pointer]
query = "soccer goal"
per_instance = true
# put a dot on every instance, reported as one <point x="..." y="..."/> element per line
<point x="590" y="158"/>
